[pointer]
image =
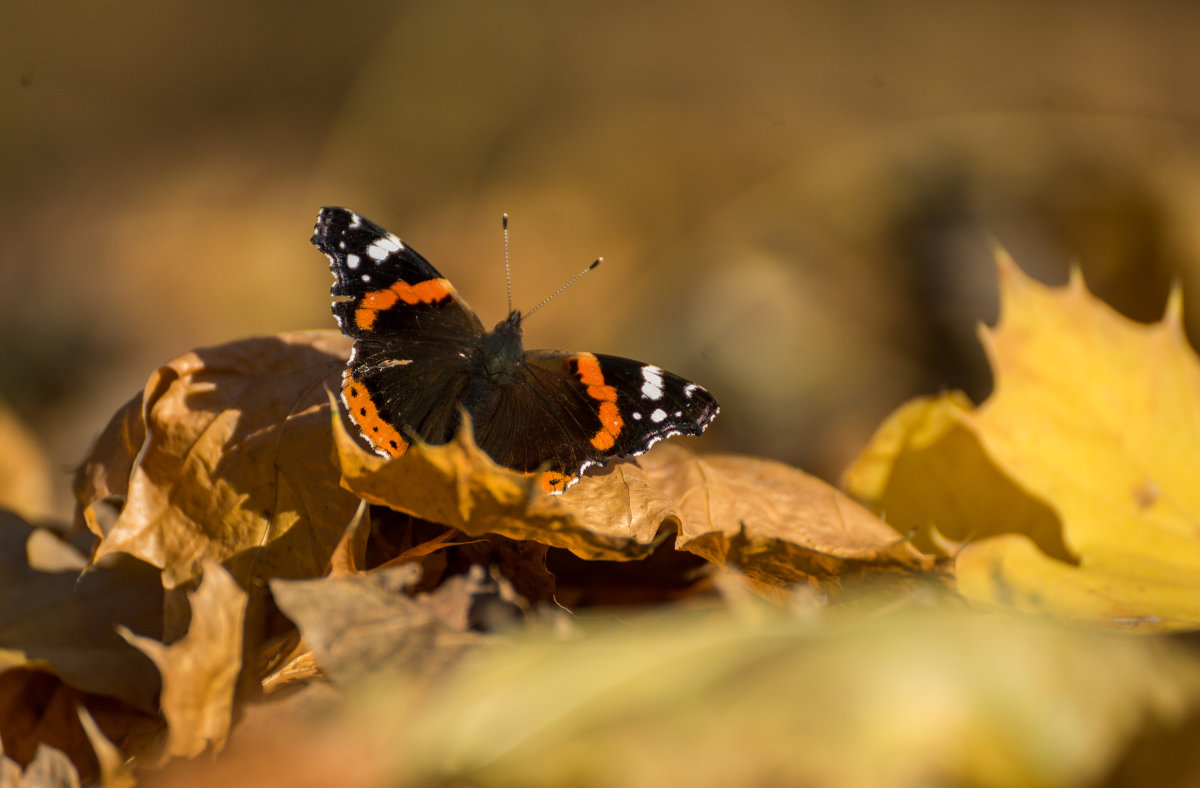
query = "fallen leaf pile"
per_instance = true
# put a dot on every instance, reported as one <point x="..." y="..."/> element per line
<point x="250" y="596"/>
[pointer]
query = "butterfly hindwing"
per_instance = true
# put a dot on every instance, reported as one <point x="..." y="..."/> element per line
<point x="574" y="410"/>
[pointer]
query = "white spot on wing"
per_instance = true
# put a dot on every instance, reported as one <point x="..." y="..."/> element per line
<point x="381" y="247"/>
<point x="352" y="260"/>
<point x="653" y="387"/>
<point x="355" y="220"/>
<point x="688" y="389"/>
<point x="366" y="277"/>
<point x="658" y="415"/>
<point x="637" y="416"/>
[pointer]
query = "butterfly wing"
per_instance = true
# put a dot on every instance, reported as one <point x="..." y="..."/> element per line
<point x="413" y="333"/>
<point x="573" y="410"/>
<point x="385" y="289"/>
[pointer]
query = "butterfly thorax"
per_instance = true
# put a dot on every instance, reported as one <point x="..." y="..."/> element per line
<point x="502" y="355"/>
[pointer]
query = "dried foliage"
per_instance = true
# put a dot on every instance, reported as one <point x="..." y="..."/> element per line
<point x="263" y="589"/>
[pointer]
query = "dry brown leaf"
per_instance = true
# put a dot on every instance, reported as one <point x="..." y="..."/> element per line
<point x="105" y="473"/>
<point x="48" y="551"/>
<point x="37" y="709"/>
<point x="234" y="465"/>
<point x="458" y="485"/>
<point x="200" y="672"/>
<point x="301" y="668"/>
<point x="67" y="621"/>
<point x="776" y="523"/>
<point x="428" y="547"/>
<point x="349" y="556"/>
<point x="365" y="623"/>
<point x="115" y="771"/>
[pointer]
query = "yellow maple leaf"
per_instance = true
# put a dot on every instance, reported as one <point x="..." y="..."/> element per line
<point x="1075" y="482"/>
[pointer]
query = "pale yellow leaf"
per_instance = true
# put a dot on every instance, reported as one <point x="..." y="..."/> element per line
<point x="1087" y="449"/>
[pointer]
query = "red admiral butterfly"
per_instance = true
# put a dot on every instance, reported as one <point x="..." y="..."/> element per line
<point x="421" y="354"/>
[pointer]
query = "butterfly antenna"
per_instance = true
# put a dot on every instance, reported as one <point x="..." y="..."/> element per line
<point x="574" y="279"/>
<point x="507" y="269"/>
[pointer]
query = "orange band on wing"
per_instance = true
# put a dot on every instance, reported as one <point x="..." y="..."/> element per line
<point x="587" y="368"/>
<point x="610" y="418"/>
<point x="385" y="438"/>
<point x="431" y="291"/>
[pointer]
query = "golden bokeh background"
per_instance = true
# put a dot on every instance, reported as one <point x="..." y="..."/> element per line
<point x="794" y="201"/>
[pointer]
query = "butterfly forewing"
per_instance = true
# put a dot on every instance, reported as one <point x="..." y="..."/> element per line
<point x="385" y="288"/>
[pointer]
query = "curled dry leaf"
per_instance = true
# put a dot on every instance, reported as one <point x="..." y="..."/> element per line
<point x="360" y="624"/>
<point x="225" y="456"/>
<point x="349" y="556"/>
<point x="38" y="709"/>
<point x="67" y="621"/>
<point x="774" y="522"/>
<point x="458" y="485"/>
<point x="115" y="771"/>
<point x="200" y="672"/>
<point x="1074" y="484"/>
<point x="105" y="472"/>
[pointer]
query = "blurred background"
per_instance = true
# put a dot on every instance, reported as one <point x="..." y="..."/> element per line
<point x="794" y="200"/>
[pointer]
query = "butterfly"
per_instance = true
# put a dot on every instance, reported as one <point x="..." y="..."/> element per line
<point x="421" y="357"/>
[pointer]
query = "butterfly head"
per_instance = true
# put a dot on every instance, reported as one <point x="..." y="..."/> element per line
<point x="502" y="353"/>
